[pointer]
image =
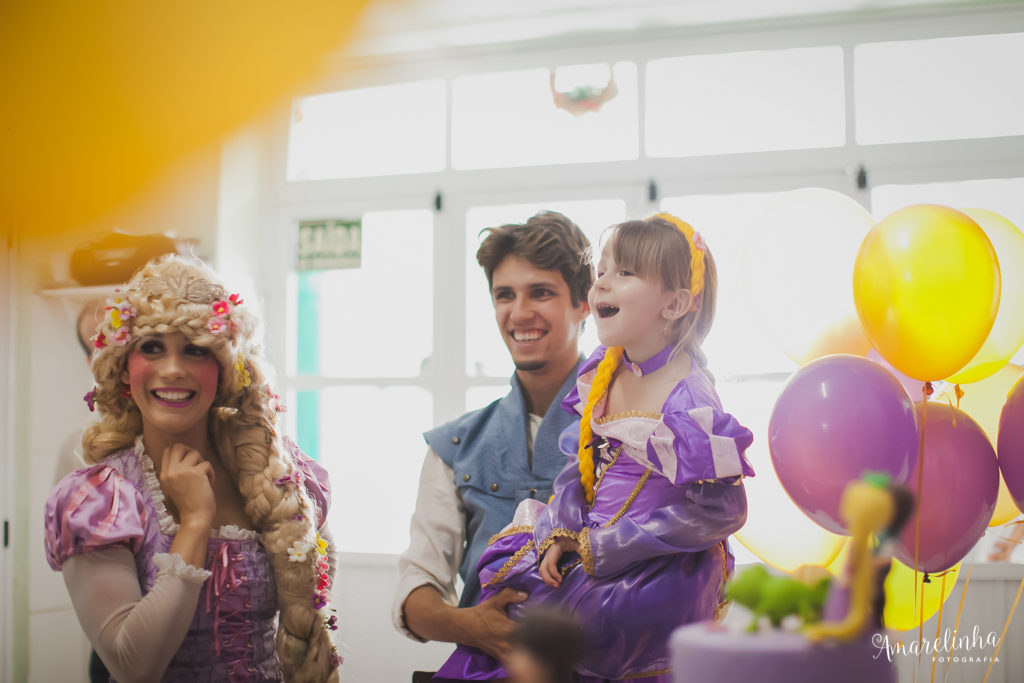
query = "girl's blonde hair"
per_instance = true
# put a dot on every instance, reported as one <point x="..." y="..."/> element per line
<point x="666" y="249"/>
<point x="171" y="295"/>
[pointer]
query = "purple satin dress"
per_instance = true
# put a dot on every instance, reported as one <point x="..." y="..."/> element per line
<point x="118" y="503"/>
<point x="653" y="553"/>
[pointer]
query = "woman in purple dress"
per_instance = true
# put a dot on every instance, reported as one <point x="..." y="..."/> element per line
<point x="197" y="525"/>
<point x="633" y="543"/>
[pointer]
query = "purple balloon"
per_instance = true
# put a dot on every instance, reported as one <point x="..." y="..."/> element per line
<point x="959" y="490"/>
<point x="1010" y="443"/>
<point x="837" y="417"/>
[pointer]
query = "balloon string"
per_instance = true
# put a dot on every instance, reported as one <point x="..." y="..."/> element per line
<point x="926" y="391"/>
<point x="1003" y="634"/>
<point x="956" y="624"/>
<point x="938" y="627"/>
<point x="959" y="394"/>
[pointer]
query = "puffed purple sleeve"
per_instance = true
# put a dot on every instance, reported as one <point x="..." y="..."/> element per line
<point x="704" y="515"/>
<point x="315" y="479"/>
<point x="563" y="516"/>
<point x="90" y="509"/>
<point x="699" y="444"/>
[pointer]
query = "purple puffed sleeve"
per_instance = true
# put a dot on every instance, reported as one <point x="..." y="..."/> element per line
<point x="90" y="509"/>
<point x="315" y="479"/>
<point x="572" y="403"/>
<point x="563" y="516"/>
<point x="704" y="515"/>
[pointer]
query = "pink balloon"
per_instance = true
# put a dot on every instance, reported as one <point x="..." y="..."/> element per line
<point x="1010" y="443"/>
<point x="959" y="490"/>
<point x="837" y="417"/>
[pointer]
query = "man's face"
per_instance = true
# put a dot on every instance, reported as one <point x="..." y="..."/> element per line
<point x="536" y="316"/>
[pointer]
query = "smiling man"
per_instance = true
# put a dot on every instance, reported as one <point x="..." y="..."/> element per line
<point x="481" y="466"/>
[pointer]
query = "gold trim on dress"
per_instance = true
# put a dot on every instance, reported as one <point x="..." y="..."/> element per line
<point x="627" y="413"/>
<point x="586" y="552"/>
<point x="511" y="531"/>
<point x="629" y="501"/>
<point x="553" y="536"/>
<point x="648" y="674"/>
<point x="511" y="562"/>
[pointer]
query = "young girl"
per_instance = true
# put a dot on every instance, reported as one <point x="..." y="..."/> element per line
<point x="197" y="525"/>
<point x="633" y="541"/>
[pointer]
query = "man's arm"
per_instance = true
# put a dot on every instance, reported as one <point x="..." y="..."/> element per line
<point x="425" y="601"/>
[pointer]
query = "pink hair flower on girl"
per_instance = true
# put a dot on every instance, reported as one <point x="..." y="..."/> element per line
<point x="698" y="241"/>
<point x="236" y="300"/>
<point x="217" y="325"/>
<point x="99" y="341"/>
<point x="220" y="308"/>
<point x="122" y="336"/>
<point x="90" y="399"/>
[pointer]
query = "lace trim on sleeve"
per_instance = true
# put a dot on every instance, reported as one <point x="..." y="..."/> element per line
<point x="175" y="565"/>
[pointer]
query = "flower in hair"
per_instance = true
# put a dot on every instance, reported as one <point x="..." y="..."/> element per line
<point x="122" y="336"/>
<point x="90" y="399"/>
<point x="242" y="372"/>
<point x="220" y="308"/>
<point x="126" y="310"/>
<point x="99" y="341"/>
<point x="217" y="325"/>
<point x="236" y="300"/>
<point x="319" y="601"/>
<point x="332" y="623"/>
<point x="324" y="582"/>
<point x="298" y="477"/>
<point x="321" y="545"/>
<point x="698" y="241"/>
<point x="297" y="552"/>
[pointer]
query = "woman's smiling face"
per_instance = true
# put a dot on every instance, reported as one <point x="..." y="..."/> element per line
<point x="174" y="383"/>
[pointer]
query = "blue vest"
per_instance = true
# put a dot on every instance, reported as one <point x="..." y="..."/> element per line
<point x="486" y="450"/>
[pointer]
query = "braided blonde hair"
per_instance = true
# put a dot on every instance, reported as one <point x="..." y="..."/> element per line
<point x="173" y="294"/>
<point x="652" y="248"/>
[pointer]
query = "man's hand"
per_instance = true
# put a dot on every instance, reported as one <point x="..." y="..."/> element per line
<point x="487" y="625"/>
<point x="549" y="565"/>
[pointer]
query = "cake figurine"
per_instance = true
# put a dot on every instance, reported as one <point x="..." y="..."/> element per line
<point x="835" y="640"/>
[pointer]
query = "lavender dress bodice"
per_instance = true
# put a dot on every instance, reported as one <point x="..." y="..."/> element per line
<point x="119" y="503"/>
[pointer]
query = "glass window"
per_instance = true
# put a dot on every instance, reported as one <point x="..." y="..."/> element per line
<point x="745" y="102"/>
<point x="510" y="119"/>
<point x="486" y="355"/>
<point x="370" y="132"/>
<point x="939" y="89"/>
<point x="375" y="320"/>
<point x="371" y="442"/>
<point x="735" y="344"/>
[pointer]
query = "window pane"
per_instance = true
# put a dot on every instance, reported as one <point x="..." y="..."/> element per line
<point x="941" y="89"/>
<point x="486" y="354"/>
<point x="735" y="344"/>
<point x="745" y="102"/>
<point x="478" y="397"/>
<point x="375" y="320"/>
<point x="371" y="132"/>
<point x="509" y="119"/>
<point x="372" y="444"/>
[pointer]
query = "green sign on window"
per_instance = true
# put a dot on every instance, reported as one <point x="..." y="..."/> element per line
<point x="330" y="244"/>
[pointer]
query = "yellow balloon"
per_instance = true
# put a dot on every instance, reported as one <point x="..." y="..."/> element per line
<point x="902" y="610"/>
<point x="777" y="531"/>
<point x="984" y="402"/>
<point x="926" y="285"/>
<point x="109" y="95"/>
<point x="806" y="303"/>
<point x="1007" y="333"/>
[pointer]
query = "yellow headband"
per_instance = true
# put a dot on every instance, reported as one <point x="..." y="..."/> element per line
<point x="696" y="243"/>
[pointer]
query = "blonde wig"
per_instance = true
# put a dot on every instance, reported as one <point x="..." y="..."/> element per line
<point x="173" y="294"/>
<point x="665" y="249"/>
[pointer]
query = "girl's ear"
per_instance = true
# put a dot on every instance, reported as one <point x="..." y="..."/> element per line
<point x="679" y="305"/>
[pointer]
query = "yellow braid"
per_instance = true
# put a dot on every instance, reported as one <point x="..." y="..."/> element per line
<point x="696" y="251"/>
<point x="602" y="378"/>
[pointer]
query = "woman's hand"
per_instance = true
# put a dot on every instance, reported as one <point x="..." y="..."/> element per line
<point x="549" y="565"/>
<point x="187" y="479"/>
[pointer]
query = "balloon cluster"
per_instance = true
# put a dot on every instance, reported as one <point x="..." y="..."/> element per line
<point x="931" y="294"/>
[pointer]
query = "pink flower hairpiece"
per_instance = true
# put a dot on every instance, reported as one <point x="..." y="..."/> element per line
<point x="698" y="241"/>
<point x="297" y="478"/>
<point x="221" y="321"/>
